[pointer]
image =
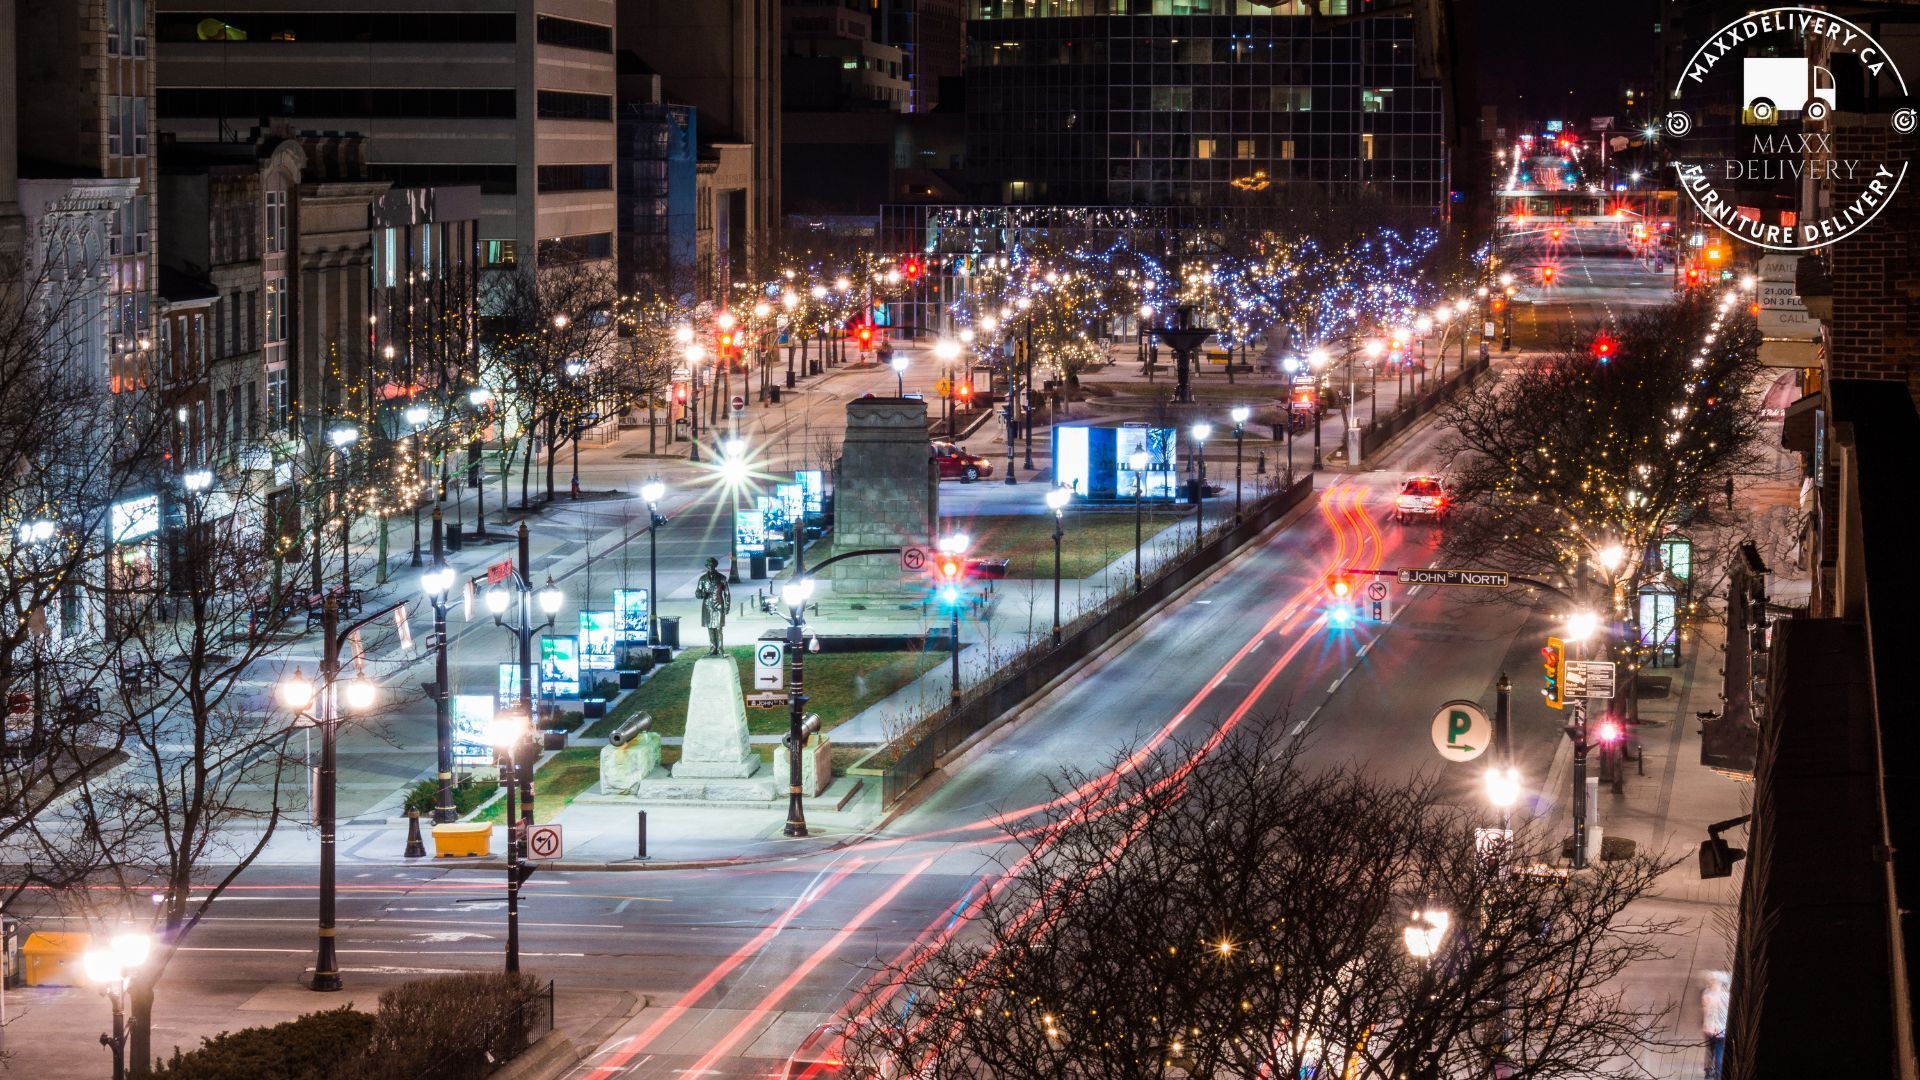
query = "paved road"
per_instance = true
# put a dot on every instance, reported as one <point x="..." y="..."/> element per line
<point x="720" y="972"/>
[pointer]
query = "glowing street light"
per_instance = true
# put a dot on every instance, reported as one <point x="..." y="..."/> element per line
<point x="1426" y="929"/>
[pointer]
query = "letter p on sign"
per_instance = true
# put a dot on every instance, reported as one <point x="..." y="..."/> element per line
<point x="1462" y="730"/>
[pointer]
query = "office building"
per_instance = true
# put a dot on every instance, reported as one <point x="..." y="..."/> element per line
<point x="932" y="37"/>
<point x="722" y="57"/>
<point x="512" y="96"/>
<point x="1121" y="102"/>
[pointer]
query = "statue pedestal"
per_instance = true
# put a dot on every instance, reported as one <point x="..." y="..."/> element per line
<point x="716" y="746"/>
<point x="623" y="767"/>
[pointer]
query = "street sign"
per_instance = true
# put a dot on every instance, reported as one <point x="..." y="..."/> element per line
<point x="499" y="571"/>
<point x="1590" y="679"/>
<point x="766" y="701"/>
<point x="1377" y="590"/>
<point x="1486" y="579"/>
<point x="767" y="672"/>
<point x="913" y="559"/>
<point x="544" y="842"/>
<point x="1491" y="844"/>
<point x="738" y="404"/>
<point x="1462" y="730"/>
<point x="943" y="387"/>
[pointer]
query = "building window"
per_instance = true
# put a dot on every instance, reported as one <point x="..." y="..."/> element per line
<point x="1206" y="148"/>
<point x="1372" y="101"/>
<point x="565" y="105"/>
<point x="568" y="34"/>
<point x="1286" y="149"/>
<point x="276" y="221"/>
<point x="126" y="27"/>
<point x="491" y="179"/>
<point x="277" y="398"/>
<point x="1243" y="149"/>
<point x="586" y="246"/>
<point x="276" y="309"/>
<point x="1293" y="99"/>
<point x="495" y="254"/>
<point x="357" y="103"/>
<point x="1172" y="99"/>
<point x="389" y="272"/>
<point x="349" y="27"/>
<point x="576" y="178"/>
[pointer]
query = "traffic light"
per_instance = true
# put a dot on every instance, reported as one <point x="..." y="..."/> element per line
<point x="726" y="344"/>
<point x="948" y="572"/>
<point x="1554" y="659"/>
<point x="966" y="395"/>
<point x="1340" y="611"/>
<point x="522" y="870"/>
<point x="865" y="334"/>
<point x="1546" y="275"/>
<point x="1604" y="347"/>
<point x="1499" y="304"/>
<point x="1555" y="234"/>
<point x="911" y="268"/>
<point x="679" y="393"/>
<point x="1693" y="276"/>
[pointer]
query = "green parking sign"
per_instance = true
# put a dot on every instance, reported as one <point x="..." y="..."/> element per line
<point x="1462" y="730"/>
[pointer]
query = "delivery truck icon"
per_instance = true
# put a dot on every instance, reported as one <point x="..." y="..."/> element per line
<point x="1771" y="85"/>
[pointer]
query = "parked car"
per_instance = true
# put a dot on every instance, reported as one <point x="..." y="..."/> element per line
<point x="1421" y="496"/>
<point x="956" y="463"/>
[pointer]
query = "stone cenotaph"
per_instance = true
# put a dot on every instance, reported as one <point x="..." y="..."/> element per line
<point x="886" y="494"/>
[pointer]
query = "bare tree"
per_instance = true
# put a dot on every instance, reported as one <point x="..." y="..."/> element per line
<point x="155" y="843"/>
<point x="1222" y="911"/>
<point x="551" y="328"/>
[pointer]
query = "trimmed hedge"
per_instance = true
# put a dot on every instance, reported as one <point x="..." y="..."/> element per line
<point x="317" y="1046"/>
<point x="453" y="1027"/>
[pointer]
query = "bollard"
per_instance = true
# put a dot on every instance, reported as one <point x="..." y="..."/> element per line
<point x="1260" y="464"/>
<point x="643" y="835"/>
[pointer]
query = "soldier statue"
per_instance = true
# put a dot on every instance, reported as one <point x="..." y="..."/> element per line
<point x="715" y="598"/>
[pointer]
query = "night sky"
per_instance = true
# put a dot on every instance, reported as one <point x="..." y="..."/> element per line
<point x="1532" y="53"/>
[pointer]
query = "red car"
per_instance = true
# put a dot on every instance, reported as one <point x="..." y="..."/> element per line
<point x="956" y="464"/>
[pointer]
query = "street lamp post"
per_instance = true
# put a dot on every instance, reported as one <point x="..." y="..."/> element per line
<point x="1580" y="626"/>
<point x="955" y="547"/>
<point x="436" y="583"/>
<point x="1200" y="432"/>
<point x="112" y="968"/>
<point x="1316" y="360"/>
<point x="1240" y="414"/>
<point x="416" y="417"/>
<point x="299" y="695"/>
<point x="520" y="589"/>
<point x="1138" y="460"/>
<point x="694" y="354"/>
<point x="899" y="365"/>
<point x="796" y="593"/>
<point x="574" y="370"/>
<point x="734" y="468"/>
<point x="653" y="491"/>
<point x="478" y="397"/>
<point x="508" y="732"/>
<point x="1057" y="499"/>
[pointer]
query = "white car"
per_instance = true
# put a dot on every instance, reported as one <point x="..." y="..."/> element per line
<point x="1421" y="496"/>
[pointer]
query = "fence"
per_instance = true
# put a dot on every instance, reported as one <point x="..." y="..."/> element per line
<point x="1376" y="435"/>
<point x="920" y="750"/>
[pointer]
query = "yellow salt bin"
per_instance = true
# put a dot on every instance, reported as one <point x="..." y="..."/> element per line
<point x="53" y="958"/>
<point x="462" y="840"/>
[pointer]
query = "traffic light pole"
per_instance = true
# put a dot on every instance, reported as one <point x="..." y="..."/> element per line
<point x="796" y="720"/>
<point x="1578" y="730"/>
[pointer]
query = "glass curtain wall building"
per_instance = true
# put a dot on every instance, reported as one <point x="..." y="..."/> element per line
<point x="1197" y="102"/>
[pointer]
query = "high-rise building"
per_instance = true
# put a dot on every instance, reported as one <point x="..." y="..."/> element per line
<point x="1227" y="101"/>
<point x="833" y="62"/>
<point x="514" y="96"/>
<point x="932" y="36"/>
<point x="723" y="58"/>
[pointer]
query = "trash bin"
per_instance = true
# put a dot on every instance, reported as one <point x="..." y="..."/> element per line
<point x="776" y="563"/>
<point x="455" y="537"/>
<point x="670" y="631"/>
<point x="462" y="840"/>
<point x="52" y="958"/>
<point x="757" y="565"/>
<point x="773" y="395"/>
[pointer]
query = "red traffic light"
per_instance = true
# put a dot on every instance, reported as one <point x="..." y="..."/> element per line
<point x="1693" y="275"/>
<point x="1604" y="347"/>
<point x="950" y="570"/>
<point x="1339" y="586"/>
<point x="680" y="393"/>
<point x="911" y="268"/>
<point x="1555" y="234"/>
<point x="966" y="391"/>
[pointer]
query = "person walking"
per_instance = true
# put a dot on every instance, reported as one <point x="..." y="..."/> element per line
<point x="1714" y="1001"/>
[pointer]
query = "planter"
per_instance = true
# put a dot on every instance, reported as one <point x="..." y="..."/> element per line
<point x="629" y="680"/>
<point x="593" y="708"/>
<point x="553" y="740"/>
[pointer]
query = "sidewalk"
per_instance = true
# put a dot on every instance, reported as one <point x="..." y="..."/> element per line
<point x="1666" y="813"/>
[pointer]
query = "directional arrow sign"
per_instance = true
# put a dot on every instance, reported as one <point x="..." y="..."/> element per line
<point x="1462" y="730"/>
<point x="1485" y="579"/>
<point x="545" y="842"/>
<point x="767" y="674"/>
<point x="913" y="559"/>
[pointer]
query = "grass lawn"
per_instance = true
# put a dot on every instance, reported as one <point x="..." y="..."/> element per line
<point x="838" y="684"/>
<point x="1092" y="540"/>
<point x="555" y="784"/>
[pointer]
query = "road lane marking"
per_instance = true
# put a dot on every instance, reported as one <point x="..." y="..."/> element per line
<point x="1334" y="686"/>
<point x="1297" y="729"/>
